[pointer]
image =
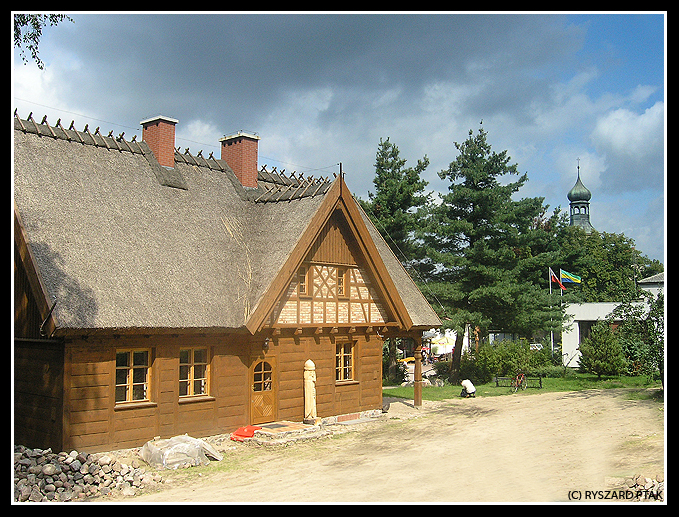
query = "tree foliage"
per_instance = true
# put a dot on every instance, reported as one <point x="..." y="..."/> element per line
<point x="393" y="208"/>
<point x="602" y="353"/>
<point x="481" y="253"/>
<point x="490" y="251"/>
<point x="642" y="333"/>
<point x="399" y="192"/>
<point x="608" y="263"/>
<point x="28" y="31"/>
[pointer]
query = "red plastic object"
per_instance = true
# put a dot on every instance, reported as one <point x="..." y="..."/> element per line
<point x="244" y="432"/>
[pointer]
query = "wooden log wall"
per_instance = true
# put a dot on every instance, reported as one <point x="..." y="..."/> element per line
<point x="94" y="422"/>
<point x="332" y="398"/>
<point x="38" y="393"/>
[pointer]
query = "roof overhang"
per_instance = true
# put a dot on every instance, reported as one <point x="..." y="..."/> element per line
<point x="36" y="283"/>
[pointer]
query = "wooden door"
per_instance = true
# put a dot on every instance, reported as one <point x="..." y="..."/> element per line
<point x="262" y="391"/>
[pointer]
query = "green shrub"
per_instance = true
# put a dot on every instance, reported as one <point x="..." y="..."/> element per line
<point x="601" y="352"/>
<point x="508" y="358"/>
<point x="442" y="369"/>
<point x="471" y="368"/>
<point x="505" y="359"/>
<point x="553" y="371"/>
<point x="633" y="349"/>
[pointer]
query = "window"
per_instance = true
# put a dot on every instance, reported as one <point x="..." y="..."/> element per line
<point x="302" y="280"/>
<point x="132" y="375"/>
<point x="344" y="362"/>
<point x="262" y="377"/>
<point x="193" y="372"/>
<point x="341" y="281"/>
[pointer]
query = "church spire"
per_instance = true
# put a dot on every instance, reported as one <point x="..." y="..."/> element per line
<point x="579" y="197"/>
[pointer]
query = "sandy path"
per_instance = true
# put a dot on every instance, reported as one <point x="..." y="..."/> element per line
<point x="523" y="447"/>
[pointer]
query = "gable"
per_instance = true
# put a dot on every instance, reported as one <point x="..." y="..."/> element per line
<point x="336" y="239"/>
<point x="332" y="285"/>
<point x="335" y="244"/>
<point x="329" y="295"/>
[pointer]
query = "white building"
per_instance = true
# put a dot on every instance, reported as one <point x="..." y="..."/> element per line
<point x="653" y="284"/>
<point x="581" y="317"/>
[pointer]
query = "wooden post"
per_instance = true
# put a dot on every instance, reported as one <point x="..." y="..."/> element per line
<point x="418" y="372"/>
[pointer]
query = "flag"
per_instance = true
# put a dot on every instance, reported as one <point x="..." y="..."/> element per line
<point x="553" y="278"/>
<point x="568" y="277"/>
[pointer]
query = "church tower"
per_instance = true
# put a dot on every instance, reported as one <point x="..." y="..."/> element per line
<point x="579" y="197"/>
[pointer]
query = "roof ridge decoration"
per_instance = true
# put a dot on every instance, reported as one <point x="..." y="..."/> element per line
<point x="85" y="137"/>
<point x="274" y="186"/>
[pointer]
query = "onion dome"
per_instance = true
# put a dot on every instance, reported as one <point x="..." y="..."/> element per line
<point x="579" y="192"/>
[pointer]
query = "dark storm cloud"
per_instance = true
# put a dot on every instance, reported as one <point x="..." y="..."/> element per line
<point x="325" y="88"/>
<point x="233" y="68"/>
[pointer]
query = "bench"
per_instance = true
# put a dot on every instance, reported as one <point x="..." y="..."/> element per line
<point x="506" y="382"/>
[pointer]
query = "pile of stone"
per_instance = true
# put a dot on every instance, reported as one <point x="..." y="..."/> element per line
<point x="646" y="489"/>
<point x="42" y="475"/>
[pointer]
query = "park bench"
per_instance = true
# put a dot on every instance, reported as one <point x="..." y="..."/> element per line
<point x="506" y="382"/>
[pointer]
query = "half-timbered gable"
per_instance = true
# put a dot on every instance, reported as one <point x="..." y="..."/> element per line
<point x="155" y="299"/>
<point x="332" y="286"/>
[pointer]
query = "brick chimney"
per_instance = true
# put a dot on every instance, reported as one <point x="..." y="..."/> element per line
<point x="240" y="152"/>
<point x="158" y="133"/>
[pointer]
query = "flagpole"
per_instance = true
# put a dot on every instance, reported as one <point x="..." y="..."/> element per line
<point x="551" y="330"/>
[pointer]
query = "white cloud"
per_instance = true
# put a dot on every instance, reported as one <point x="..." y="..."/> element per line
<point x="641" y="218"/>
<point x="625" y="132"/>
<point x="633" y="145"/>
<point x="642" y="92"/>
<point x="591" y="164"/>
<point x="30" y="84"/>
<point x="198" y="135"/>
<point x="387" y="97"/>
<point x="46" y="93"/>
<point x="293" y="135"/>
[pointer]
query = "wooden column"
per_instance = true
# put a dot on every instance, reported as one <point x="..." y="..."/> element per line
<point x="418" y="372"/>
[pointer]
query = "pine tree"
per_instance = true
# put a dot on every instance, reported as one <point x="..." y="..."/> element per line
<point x="393" y="209"/>
<point x="399" y="193"/>
<point x="490" y="252"/>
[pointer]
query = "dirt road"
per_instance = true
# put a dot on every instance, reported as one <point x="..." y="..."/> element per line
<point x="523" y="447"/>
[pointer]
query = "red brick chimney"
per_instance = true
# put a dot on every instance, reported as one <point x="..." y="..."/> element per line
<point x="240" y="152"/>
<point x="158" y="133"/>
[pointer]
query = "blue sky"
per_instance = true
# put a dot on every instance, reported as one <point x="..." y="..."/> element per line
<point x="323" y="88"/>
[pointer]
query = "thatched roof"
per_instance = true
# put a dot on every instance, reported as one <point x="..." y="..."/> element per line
<point x="123" y="243"/>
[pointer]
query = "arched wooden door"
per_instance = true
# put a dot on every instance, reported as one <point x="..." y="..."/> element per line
<point x="262" y="391"/>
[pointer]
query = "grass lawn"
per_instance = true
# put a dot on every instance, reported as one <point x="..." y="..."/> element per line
<point x="573" y="382"/>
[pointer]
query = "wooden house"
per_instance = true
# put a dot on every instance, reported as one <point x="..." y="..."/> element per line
<point x="159" y="293"/>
